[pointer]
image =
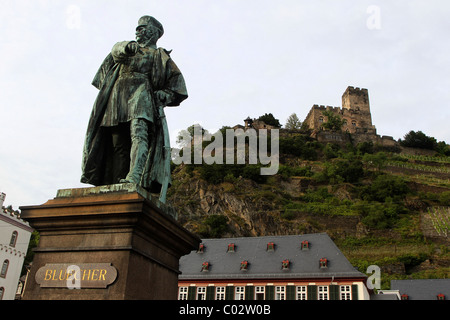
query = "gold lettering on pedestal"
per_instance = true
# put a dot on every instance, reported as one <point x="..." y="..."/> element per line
<point x="89" y="275"/>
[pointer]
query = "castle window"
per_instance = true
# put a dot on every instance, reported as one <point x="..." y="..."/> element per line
<point x="270" y="246"/>
<point x="320" y="119"/>
<point x="231" y="247"/>
<point x="323" y="263"/>
<point x="201" y="248"/>
<point x="305" y="245"/>
<point x="4" y="269"/>
<point x="13" y="240"/>
<point x="354" y="123"/>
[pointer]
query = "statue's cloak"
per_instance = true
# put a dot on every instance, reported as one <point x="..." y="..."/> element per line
<point x="97" y="149"/>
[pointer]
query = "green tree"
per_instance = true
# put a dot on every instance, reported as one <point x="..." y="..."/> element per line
<point x="293" y="122"/>
<point x="334" y="122"/>
<point x="419" y="140"/>
<point x="269" y="119"/>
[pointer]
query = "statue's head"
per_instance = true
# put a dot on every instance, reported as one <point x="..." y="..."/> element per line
<point x="148" y="29"/>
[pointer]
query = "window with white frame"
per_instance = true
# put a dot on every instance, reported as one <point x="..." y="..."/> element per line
<point x="182" y="293"/>
<point x="345" y="292"/>
<point x="301" y="293"/>
<point x="239" y="293"/>
<point x="323" y="292"/>
<point x="259" y="292"/>
<point x="201" y="293"/>
<point x="280" y="293"/>
<point x="220" y="293"/>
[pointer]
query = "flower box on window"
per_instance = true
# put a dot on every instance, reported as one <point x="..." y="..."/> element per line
<point x="244" y="265"/>
<point x="205" y="266"/>
<point x="285" y="264"/>
<point x="323" y="263"/>
<point x="270" y="246"/>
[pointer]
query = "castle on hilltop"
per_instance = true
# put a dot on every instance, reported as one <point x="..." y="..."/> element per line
<point x="356" y="116"/>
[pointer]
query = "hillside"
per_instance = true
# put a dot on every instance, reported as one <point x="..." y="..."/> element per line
<point x="388" y="207"/>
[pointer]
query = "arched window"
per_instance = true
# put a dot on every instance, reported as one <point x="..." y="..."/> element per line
<point x="4" y="269"/>
<point x="354" y="123"/>
<point x="13" y="240"/>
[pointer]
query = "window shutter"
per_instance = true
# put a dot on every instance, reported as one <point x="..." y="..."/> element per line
<point x="334" y="292"/>
<point x="355" y="292"/>
<point x="229" y="293"/>
<point x="290" y="292"/>
<point x="210" y="293"/>
<point x="249" y="293"/>
<point x="270" y="292"/>
<point x="312" y="292"/>
<point x="191" y="293"/>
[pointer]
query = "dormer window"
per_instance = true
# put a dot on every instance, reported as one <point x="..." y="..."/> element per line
<point x="270" y="246"/>
<point x="305" y="245"/>
<point x="244" y="265"/>
<point x="323" y="263"/>
<point x="205" y="266"/>
<point x="201" y="248"/>
<point x="285" y="264"/>
<point x="441" y="296"/>
<point x="231" y="247"/>
<point x="404" y="297"/>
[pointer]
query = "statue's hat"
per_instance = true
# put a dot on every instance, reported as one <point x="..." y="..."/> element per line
<point x="148" y="20"/>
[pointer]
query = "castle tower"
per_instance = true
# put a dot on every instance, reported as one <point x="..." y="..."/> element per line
<point x="355" y="103"/>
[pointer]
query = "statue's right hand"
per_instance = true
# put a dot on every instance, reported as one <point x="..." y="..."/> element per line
<point x="132" y="48"/>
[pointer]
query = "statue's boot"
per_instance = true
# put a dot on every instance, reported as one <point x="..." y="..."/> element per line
<point x="139" y="150"/>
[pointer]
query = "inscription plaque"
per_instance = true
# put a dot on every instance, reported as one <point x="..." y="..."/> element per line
<point x="76" y="275"/>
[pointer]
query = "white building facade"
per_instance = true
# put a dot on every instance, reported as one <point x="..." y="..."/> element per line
<point x="15" y="236"/>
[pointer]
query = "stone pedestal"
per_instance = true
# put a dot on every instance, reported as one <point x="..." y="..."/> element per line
<point x="109" y="242"/>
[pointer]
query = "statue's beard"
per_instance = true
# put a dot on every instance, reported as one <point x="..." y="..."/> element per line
<point x="146" y="38"/>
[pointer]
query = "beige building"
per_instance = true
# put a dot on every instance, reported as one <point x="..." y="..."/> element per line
<point x="14" y="239"/>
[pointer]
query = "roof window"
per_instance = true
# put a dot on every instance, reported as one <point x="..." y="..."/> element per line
<point x="270" y="246"/>
<point x="305" y="245"/>
<point x="323" y="263"/>
<point x="231" y="247"/>
<point x="201" y="248"/>
<point x="285" y="264"/>
<point x="441" y="296"/>
<point x="244" y="265"/>
<point x="205" y="266"/>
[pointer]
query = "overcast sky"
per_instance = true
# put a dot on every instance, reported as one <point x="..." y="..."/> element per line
<point x="239" y="58"/>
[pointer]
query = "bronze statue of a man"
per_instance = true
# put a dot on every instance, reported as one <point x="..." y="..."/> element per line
<point x="127" y="137"/>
